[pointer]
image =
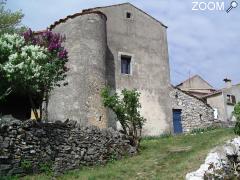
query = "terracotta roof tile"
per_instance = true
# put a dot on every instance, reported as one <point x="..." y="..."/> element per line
<point x="73" y="16"/>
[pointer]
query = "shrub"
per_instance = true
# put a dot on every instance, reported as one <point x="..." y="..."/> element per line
<point x="126" y="107"/>
<point x="32" y="64"/>
<point x="46" y="168"/>
<point x="236" y="113"/>
<point x="27" y="166"/>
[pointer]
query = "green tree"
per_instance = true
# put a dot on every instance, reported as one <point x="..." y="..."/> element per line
<point x="236" y="113"/>
<point x="32" y="65"/>
<point x="126" y="106"/>
<point x="10" y="22"/>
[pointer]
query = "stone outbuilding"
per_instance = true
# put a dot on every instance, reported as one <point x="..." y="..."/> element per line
<point x="189" y="112"/>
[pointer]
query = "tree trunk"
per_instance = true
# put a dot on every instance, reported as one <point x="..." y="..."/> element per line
<point x="33" y="107"/>
<point x="45" y="107"/>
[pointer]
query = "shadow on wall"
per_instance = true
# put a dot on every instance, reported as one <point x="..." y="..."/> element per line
<point x="111" y="81"/>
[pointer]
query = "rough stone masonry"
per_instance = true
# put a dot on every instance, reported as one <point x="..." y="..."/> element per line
<point x="195" y="112"/>
<point x="26" y="146"/>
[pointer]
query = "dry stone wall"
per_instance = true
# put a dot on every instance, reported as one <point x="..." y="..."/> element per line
<point x="195" y="113"/>
<point x="27" y="146"/>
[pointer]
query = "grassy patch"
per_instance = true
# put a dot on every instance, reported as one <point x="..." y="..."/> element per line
<point x="160" y="158"/>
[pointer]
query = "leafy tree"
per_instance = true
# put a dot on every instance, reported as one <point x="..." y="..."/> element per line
<point x="236" y="113"/>
<point x="10" y="22"/>
<point x="32" y="64"/>
<point x="126" y="107"/>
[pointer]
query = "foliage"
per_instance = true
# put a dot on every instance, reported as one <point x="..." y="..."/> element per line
<point x="236" y="113"/>
<point x="27" y="166"/>
<point x="10" y="22"/>
<point x="127" y="112"/>
<point x="46" y="168"/>
<point x="201" y="130"/>
<point x="32" y="64"/>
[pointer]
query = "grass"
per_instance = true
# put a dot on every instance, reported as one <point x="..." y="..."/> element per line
<point x="160" y="158"/>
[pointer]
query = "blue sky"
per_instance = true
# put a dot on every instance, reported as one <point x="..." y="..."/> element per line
<point x="200" y="42"/>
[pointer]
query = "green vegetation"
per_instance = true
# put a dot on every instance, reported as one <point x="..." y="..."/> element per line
<point x="46" y="168"/>
<point x="10" y="22"/>
<point x="32" y="65"/>
<point x="236" y="113"/>
<point x="126" y="106"/>
<point x="26" y="165"/>
<point x="201" y="130"/>
<point x="163" y="158"/>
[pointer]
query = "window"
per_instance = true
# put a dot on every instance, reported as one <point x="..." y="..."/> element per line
<point x="125" y="64"/>
<point x="231" y="99"/>
<point x="128" y="15"/>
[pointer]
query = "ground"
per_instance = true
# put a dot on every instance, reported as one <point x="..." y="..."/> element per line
<point x="160" y="158"/>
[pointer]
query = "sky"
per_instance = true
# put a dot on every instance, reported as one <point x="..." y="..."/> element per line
<point x="204" y="42"/>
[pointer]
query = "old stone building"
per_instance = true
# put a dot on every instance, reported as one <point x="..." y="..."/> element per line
<point x="196" y="86"/>
<point x="120" y="46"/>
<point x="189" y="112"/>
<point x="224" y="100"/>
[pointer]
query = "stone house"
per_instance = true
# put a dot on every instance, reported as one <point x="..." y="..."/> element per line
<point x="122" y="47"/>
<point x="224" y="100"/>
<point x="196" y="86"/>
<point x="189" y="112"/>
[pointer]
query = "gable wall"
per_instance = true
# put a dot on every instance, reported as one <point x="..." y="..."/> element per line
<point x="195" y="83"/>
<point x="146" y="40"/>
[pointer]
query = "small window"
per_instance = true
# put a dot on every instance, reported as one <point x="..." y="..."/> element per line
<point x="231" y="99"/>
<point x="125" y="64"/>
<point x="128" y="15"/>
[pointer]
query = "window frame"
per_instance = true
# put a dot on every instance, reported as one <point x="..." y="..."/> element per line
<point x="131" y="19"/>
<point x="231" y="99"/>
<point x="122" y="54"/>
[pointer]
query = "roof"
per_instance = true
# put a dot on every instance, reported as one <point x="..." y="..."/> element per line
<point x="193" y="78"/>
<point x="218" y="92"/>
<point x="75" y="15"/>
<point x="212" y="94"/>
<point x="91" y="9"/>
<point x="187" y="93"/>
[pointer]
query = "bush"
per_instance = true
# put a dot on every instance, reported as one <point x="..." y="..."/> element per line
<point x="236" y="113"/>
<point x="27" y="166"/>
<point x="32" y="65"/>
<point x="46" y="168"/>
<point x="127" y="111"/>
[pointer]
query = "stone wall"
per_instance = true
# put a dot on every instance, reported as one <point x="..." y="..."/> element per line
<point x="63" y="146"/>
<point x="195" y="112"/>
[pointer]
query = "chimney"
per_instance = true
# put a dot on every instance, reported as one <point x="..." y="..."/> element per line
<point x="228" y="82"/>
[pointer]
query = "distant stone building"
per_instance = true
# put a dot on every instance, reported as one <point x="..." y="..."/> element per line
<point x="120" y="46"/>
<point x="224" y="100"/>
<point x="196" y="86"/>
<point x="189" y="112"/>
